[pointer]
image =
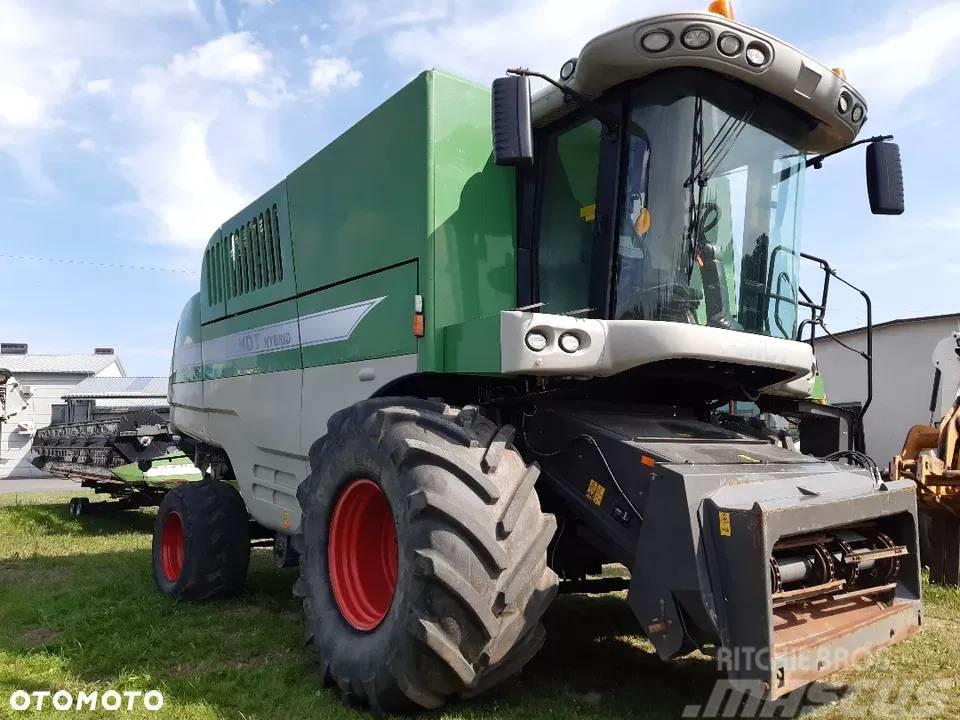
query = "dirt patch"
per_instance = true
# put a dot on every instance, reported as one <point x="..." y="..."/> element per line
<point x="258" y="662"/>
<point x="38" y="636"/>
<point x="25" y="573"/>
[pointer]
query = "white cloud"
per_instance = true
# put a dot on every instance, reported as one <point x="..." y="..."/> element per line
<point x="257" y="3"/>
<point x="480" y="42"/>
<point x="948" y="220"/>
<point x="906" y="53"/>
<point x="45" y="49"/>
<point x="101" y="86"/>
<point x="331" y="73"/>
<point x="200" y="124"/>
<point x="235" y="58"/>
<point x="361" y="18"/>
<point x="220" y="15"/>
<point x="87" y="145"/>
<point x="20" y="108"/>
<point x="178" y="181"/>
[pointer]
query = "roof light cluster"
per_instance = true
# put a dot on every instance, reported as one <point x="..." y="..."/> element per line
<point x="701" y="38"/>
<point x="845" y="102"/>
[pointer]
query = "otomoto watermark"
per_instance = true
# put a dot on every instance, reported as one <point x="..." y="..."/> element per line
<point x="65" y="700"/>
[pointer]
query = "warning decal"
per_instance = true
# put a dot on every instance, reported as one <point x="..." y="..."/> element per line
<point x="725" y="530"/>
<point x="595" y="492"/>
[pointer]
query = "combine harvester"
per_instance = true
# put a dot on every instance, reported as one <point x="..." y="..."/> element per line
<point x="457" y="366"/>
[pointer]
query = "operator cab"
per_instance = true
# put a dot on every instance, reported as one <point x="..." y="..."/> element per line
<point x="661" y="178"/>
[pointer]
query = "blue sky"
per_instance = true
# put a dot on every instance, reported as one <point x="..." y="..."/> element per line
<point x="130" y="130"/>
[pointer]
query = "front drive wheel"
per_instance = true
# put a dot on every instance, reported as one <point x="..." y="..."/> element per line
<point x="424" y="556"/>
<point x="201" y="543"/>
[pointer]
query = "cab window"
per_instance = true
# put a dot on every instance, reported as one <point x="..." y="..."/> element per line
<point x="568" y="207"/>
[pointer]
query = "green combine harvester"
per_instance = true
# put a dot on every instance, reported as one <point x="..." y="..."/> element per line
<point x="461" y="359"/>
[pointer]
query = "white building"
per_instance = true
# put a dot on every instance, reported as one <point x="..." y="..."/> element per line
<point x="43" y="380"/>
<point x="902" y="376"/>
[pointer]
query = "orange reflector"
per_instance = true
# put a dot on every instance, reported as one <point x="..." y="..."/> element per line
<point x="642" y="224"/>
<point x="418" y="325"/>
<point x="840" y="73"/>
<point x="721" y="7"/>
<point x="648" y="461"/>
<point x="699" y="261"/>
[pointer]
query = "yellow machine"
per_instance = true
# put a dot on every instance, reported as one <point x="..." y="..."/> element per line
<point x="931" y="458"/>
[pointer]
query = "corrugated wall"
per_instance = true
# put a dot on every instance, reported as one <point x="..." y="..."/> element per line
<point x="903" y="379"/>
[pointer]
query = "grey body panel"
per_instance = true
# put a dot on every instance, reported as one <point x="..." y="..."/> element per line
<point x="266" y="423"/>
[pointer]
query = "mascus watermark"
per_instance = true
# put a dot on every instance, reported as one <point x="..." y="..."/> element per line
<point x="881" y="697"/>
<point x="64" y="700"/>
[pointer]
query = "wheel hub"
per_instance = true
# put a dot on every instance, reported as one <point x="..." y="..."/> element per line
<point x="362" y="554"/>
<point x="171" y="547"/>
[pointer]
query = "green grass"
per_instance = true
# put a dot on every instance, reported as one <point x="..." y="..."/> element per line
<point x="79" y="611"/>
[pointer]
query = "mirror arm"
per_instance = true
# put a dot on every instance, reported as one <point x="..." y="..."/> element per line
<point x="609" y="119"/>
<point x="816" y="162"/>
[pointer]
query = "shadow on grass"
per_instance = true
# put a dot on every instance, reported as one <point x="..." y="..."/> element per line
<point x="52" y="518"/>
<point x="101" y="623"/>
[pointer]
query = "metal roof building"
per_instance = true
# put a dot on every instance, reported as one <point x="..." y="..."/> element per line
<point x="100" y="394"/>
<point x="119" y="387"/>
<point x="902" y="376"/>
<point x="73" y="364"/>
<point x="43" y="381"/>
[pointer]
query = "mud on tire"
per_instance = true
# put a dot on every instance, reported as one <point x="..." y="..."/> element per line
<point x="472" y="581"/>
<point x="214" y="547"/>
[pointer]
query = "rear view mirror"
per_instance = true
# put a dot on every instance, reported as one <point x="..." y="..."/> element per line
<point x="884" y="178"/>
<point x="512" y="127"/>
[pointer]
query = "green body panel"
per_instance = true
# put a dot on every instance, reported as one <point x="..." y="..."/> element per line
<point x="384" y="331"/>
<point x="174" y="469"/>
<point x="186" y="365"/>
<point x="818" y="392"/>
<point x="212" y="304"/>
<point x="473" y="346"/>
<point x="245" y="343"/>
<point x="408" y="201"/>
<point x="474" y="240"/>
<point x="259" y="235"/>
<point x="360" y="204"/>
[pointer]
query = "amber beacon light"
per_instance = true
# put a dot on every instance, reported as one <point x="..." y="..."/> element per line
<point x="721" y="7"/>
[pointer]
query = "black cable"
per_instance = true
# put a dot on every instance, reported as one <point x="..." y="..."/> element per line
<point x="116" y="266"/>
<point x="589" y="439"/>
<point x="861" y="460"/>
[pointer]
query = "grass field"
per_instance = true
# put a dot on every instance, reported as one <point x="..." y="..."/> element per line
<point x="78" y="611"/>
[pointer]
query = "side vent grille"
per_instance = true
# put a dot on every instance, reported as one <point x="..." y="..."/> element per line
<point x="247" y="257"/>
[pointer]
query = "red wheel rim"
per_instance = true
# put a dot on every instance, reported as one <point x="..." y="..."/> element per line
<point x="362" y="554"/>
<point x="171" y="547"/>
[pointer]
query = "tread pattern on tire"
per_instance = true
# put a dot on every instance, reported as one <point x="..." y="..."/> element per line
<point x="219" y="537"/>
<point x="480" y="551"/>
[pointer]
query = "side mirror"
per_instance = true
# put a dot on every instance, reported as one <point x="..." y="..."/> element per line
<point x="884" y="178"/>
<point x="512" y="126"/>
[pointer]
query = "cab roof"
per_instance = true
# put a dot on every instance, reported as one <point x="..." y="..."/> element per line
<point x="621" y="55"/>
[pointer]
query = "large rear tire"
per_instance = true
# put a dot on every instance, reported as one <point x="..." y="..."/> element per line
<point x="201" y="542"/>
<point x="424" y="554"/>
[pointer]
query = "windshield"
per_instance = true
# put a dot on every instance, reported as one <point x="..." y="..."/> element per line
<point x="710" y="217"/>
